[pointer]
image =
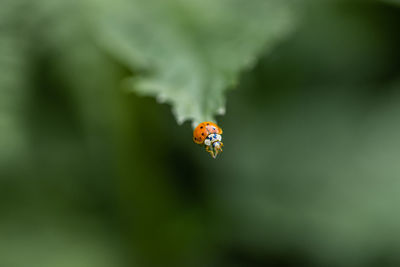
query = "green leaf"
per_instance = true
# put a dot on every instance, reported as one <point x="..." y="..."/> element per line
<point x="14" y="69"/>
<point x="188" y="52"/>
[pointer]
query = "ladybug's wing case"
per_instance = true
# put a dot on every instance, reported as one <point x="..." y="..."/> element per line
<point x="198" y="140"/>
<point x="200" y="134"/>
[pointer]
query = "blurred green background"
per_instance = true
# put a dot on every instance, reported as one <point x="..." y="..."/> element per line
<point x="94" y="175"/>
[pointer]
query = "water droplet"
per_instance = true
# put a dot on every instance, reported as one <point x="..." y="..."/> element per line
<point x="221" y="111"/>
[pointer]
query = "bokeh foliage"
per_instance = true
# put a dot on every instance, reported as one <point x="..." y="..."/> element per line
<point x="94" y="175"/>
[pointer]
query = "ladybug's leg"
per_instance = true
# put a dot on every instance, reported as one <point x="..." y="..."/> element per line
<point x="210" y="150"/>
<point x="217" y="147"/>
<point x="213" y="154"/>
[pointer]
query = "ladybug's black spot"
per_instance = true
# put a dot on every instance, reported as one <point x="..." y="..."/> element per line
<point x="208" y="124"/>
<point x="201" y="127"/>
<point x="202" y="134"/>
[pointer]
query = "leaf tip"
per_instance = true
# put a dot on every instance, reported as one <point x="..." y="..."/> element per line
<point x="161" y="98"/>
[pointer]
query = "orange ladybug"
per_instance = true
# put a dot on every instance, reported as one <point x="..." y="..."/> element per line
<point x="209" y="134"/>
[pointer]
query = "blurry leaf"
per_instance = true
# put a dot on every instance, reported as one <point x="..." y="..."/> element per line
<point x="319" y="174"/>
<point x="393" y="1"/>
<point x="70" y="241"/>
<point x="14" y="69"/>
<point x="189" y="52"/>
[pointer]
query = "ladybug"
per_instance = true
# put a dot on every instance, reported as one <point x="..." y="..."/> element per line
<point x="209" y="134"/>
